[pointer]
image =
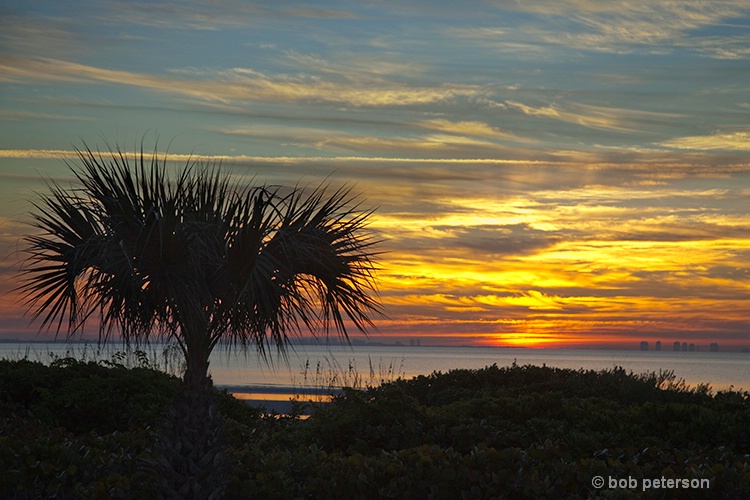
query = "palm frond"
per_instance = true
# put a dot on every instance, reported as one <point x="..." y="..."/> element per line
<point x="325" y="260"/>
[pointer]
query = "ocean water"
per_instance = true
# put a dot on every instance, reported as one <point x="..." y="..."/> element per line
<point x="335" y="366"/>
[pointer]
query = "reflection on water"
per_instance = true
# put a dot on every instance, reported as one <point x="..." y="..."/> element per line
<point x="284" y="396"/>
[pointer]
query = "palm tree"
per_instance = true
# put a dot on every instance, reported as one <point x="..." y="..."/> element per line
<point x="196" y="257"/>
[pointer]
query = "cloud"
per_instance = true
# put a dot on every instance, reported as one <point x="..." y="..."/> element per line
<point x="458" y="139"/>
<point x="55" y="153"/>
<point x="23" y="33"/>
<point x="491" y="241"/>
<point x="568" y="262"/>
<point x="523" y="188"/>
<point x="435" y="144"/>
<point x="354" y="66"/>
<point x="218" y="14"/>
<point x="639" y="25"/>
<point x="472" y="128"/>
<point x="37" y="153"/>
<point x="731" y="141"/>
<point x="253" y="85"/>
<point x="18" y="115"/>
<point x="595" y="117"/>
<point x="235" y="85"/>
<point x="732" y="48"/>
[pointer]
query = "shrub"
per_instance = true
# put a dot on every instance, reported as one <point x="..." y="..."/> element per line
<point x="515" y="432"/>
<point x="84" y="396"/>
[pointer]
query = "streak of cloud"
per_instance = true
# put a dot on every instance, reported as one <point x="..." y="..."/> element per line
<point x="237" y="84"/>
<point x="733" y="141"/>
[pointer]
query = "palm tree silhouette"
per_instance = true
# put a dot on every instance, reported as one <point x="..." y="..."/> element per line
<point x="199" y="258"/>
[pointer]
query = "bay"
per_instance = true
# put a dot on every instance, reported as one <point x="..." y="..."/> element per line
<point x="318" y="366"/>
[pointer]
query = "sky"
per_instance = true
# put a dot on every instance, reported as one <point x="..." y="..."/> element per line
<point x="552" y="173"/>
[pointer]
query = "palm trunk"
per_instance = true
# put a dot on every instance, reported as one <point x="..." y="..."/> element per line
<point x="193" y="450"/>
<point x="196" y="370"/>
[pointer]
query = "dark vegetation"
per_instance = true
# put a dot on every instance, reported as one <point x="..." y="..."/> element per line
<point x="76" y="429"/>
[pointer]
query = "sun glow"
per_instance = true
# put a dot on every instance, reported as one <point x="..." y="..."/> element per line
<point x="525" y="277"/>
<point x="524" y="340"/>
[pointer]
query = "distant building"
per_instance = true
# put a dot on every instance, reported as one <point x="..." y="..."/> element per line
<point x="644" y="346"/>
<point x="691" y="347"/>
<point x="714" y="347"/>
<point x="684" y="346"/>
<point x="658" y="345"/>
<point x="677" y="346"/>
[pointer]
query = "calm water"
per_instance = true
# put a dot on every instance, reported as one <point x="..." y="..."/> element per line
<point x="362" y="365"/>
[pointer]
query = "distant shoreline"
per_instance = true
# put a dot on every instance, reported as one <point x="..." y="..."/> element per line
<point x="360" y="343"/>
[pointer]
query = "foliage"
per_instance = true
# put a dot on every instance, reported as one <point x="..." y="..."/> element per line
<point x="76" y="429"/>
<point x="520" y="432"/>
<point x="514" y="432"/>
<point x="88" y="396"/>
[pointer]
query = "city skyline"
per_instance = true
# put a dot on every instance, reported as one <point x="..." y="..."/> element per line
<point x="544" y="174"/>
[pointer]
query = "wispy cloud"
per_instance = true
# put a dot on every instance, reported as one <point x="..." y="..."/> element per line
<point x="192" y="15"/>
<point x="237" y="84"/>
<point x="21" y="33"/>
<point x="640" y="25"/>
<point x="354" y="66"/>
<point x="251" y="84"/>
<point x="732" y="141"/>
<point x="462" y="139"/>
<point x="430" y="145"/>
<point x="51" y="154"/>
<point x="732" y="48"/>
<point x="595" y="117"/>
<point x="16" y="115"/>
<point x="473" y="128"/>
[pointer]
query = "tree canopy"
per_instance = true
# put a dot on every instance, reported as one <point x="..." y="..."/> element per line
<point x="196" y="255"/>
